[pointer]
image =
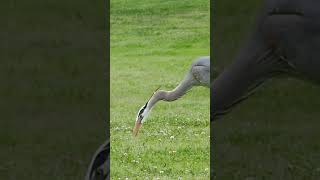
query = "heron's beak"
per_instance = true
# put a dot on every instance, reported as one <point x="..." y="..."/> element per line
<point x="136" y="128"/>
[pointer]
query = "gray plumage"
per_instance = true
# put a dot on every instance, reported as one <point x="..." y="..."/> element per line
<point x="285" y="41"/>
<point x="197" y="75"/>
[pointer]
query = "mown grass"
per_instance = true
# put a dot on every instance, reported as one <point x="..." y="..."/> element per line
<point x="275" y="133"/>
<point x="153" y="43"/>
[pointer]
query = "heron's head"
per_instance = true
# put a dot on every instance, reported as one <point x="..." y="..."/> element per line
<point x="144" y="112"/>
<point x="141" y="118"/>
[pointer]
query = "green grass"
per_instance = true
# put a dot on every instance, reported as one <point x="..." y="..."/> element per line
<point x="153" y="43"/>
<point x="275" y="133"/>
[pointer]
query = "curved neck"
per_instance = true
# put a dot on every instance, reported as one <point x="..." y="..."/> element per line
<point x="157" y="96"/>
<point x="165" y="96"/>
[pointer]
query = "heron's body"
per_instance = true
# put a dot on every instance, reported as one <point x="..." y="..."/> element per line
<point x="286" y="40"/>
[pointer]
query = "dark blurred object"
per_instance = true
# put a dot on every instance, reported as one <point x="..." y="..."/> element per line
<point x="99" y="168"/>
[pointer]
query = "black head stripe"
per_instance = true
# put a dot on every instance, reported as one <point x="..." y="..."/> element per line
<point x="142" y="109"/>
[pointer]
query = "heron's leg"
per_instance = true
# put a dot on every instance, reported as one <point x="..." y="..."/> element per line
<point x="255" y="64"/>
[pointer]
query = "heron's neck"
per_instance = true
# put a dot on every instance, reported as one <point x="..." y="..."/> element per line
<point x="165" y="96"/>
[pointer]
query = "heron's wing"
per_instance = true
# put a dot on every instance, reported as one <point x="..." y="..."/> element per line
<point x="202" y="74"/>
<point x="254" y="65"/>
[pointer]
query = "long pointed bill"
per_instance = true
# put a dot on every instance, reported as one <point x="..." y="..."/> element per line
<point x="137" y="128"/>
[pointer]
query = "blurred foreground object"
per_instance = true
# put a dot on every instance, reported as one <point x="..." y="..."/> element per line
<point x="99" y="168"/>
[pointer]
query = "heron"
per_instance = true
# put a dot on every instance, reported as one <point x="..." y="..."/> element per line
<point x="197" y="75"/>
<point x="285" y="41"/>
<point x="99" y="168"/>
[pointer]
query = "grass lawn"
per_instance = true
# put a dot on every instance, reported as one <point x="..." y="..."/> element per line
<point x="275" y="133"/>
<point x="153" y="42"/>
